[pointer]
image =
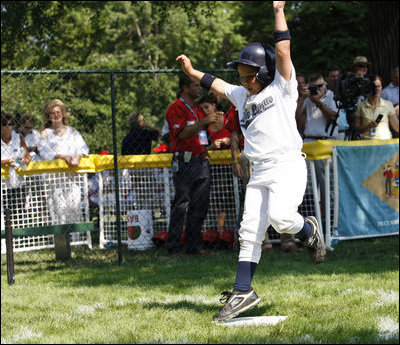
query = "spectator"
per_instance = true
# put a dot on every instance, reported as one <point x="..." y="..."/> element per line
<point x="319" y="113"/>
<point x="219" y="137"/>
<point x="242" y="169"/>
<point x="14" y="153"/>
<point x="391" y="93"/>
<point x="138" y="140"/>
<point x="303" y="94"/>
<point x="59" y="140"/>
<point x="332" y="75"/>
<point x="360" y="66"/>
<point x="367" y="113"/>
<point x="190" y="167"/>
<point x="31" y="135"/>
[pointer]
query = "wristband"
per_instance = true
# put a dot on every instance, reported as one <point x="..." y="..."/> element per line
<point x="207" y="80"/>
<point x="281" y="35"/>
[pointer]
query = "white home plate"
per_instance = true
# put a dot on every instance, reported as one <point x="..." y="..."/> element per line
<point x="252" y="321"/>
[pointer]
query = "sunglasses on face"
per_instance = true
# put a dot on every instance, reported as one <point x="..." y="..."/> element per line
<point x="362" y="66"/>
<point x="5" y="124"/>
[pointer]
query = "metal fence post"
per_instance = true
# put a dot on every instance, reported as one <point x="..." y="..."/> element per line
<point x="116" y="174"/>
<point x="9" y="248"/>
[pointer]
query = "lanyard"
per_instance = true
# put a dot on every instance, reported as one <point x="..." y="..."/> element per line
<point x="189" y="107"/>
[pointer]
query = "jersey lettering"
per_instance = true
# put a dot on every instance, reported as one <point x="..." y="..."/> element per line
<point x="256" y="109"/>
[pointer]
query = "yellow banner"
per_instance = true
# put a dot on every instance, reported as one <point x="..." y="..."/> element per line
<point x="320" y="149"/>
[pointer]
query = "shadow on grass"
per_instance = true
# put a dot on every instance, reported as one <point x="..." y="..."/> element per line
<point x="156" y="268"/>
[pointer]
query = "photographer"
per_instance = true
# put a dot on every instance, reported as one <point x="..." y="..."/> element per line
<point x="318" y="112"/>
<point x="367" y="117"/>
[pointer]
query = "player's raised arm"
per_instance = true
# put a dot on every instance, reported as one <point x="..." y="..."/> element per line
<point x="206" y="80"/>
<point x="282" y="41"/>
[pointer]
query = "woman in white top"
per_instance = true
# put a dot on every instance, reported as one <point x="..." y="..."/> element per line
<point x="14" y="152"/>
<point x="58" y="140"/>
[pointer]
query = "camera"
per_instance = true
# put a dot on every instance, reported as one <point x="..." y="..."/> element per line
<point x="314" y="89"/>
<point x="349" y="88"/>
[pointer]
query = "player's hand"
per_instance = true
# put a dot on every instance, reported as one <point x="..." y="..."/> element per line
<point x="186" y="63"/>
<point x="278" y="4"/>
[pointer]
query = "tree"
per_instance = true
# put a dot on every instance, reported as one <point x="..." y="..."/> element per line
<point x="111" y="35"/>
<point x="383" y="37"/>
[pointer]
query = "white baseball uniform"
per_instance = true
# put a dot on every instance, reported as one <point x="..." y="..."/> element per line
<point x="273" y="146"/>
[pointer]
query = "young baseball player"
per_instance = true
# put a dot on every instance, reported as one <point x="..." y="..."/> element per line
<point x="266" y="104"/>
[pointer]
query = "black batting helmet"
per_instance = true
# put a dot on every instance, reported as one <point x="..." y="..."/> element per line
<point x="258" y="55"/>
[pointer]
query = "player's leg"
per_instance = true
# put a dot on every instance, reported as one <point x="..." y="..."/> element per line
<point x="251" y="235"/>
<point x="286" y="195"/>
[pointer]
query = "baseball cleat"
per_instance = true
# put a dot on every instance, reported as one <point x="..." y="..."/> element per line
<point x="314" y="243"/>
<point x="236" y="302"/>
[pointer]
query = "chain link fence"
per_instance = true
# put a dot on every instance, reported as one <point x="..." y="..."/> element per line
<point x="131" y="211"/>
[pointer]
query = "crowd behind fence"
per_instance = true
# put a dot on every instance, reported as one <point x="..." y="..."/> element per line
<point x="99" y="103"/>
<point x="147" y="191"/>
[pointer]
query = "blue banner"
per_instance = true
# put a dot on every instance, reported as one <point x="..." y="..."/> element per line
<point x="368" y="183"/>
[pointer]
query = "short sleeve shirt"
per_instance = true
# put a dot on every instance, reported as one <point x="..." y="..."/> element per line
<point x="267" y="119"/>
<point x="316" y="122"/>
<point x="391" y="93"/>
<point x="364" y="109"/>
<point x="13" y="148"/>
<point x="178" y="117"/>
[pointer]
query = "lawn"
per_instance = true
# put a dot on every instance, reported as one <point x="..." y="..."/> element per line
<point x="351" y="298"/>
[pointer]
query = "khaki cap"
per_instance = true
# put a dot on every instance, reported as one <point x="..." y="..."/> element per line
<point x="361" y="60"/>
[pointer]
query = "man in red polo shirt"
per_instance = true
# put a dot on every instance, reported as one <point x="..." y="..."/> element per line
<point x="190" y="166"/>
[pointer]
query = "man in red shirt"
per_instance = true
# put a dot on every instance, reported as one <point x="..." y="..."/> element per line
<point x="190" y="166"/>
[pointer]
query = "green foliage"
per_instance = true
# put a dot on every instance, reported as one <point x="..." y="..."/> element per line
<point x="148" y="35"/>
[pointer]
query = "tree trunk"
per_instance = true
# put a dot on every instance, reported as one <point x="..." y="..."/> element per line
<point x="383" y="37"/>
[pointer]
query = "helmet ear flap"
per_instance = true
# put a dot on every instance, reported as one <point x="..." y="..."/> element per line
<point x="263" y="76"/>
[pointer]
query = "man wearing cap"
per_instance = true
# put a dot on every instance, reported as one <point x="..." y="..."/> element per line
<point x="360" y="66"/>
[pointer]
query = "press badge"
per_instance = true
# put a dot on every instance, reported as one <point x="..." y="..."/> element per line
<point x="203" y="138"/>
<point x="187" y="156"/>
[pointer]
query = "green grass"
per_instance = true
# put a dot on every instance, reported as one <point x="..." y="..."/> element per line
<point x="351" y="298"/>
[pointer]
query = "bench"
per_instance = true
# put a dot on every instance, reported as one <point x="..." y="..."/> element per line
<point x="60" y="232"/>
